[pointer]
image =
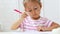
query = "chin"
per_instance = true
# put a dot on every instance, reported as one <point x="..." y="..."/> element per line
<point x="35" y="17"/>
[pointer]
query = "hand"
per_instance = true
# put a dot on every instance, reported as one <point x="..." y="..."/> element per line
<point x="24" y="15"/>
<point x="42" y="29"/>
<point x="39" y="28"/>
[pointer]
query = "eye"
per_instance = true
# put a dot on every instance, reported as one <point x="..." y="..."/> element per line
<point x="30" y="10"/>
<point x="35" y="8"/>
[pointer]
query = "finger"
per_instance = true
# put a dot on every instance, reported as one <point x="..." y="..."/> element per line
<point x="25" y="13"/>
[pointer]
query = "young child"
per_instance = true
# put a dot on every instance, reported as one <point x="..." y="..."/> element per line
<point x="31" y="19"/>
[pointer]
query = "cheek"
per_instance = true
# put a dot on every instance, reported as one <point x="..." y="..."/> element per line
<point x="29" y="14"/>
<point x="38" y="12"/>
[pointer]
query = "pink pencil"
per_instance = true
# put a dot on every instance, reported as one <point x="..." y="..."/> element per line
<point x="17" y="11"/>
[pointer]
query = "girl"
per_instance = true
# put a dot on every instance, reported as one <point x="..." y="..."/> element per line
<point x="31" y="19"/>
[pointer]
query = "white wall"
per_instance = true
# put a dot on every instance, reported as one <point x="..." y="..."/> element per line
<point x="51" y="10"/>
<point x="8" y="16"/>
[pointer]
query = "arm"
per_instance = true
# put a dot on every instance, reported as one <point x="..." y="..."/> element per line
<point x="18" y="22"/>
<point x="53" y="26"/>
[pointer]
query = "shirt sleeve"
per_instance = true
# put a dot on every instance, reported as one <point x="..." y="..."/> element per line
<point x="49" y="22"/>
<point x="22" y="24"/>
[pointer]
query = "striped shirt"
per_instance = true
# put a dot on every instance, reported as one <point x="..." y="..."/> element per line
<point x="30" y="24"/>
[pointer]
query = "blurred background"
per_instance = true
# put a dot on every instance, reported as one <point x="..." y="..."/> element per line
<point x="8" y="16"/>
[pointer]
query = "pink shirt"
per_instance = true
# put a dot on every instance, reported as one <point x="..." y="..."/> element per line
<point x="30" y="24"/>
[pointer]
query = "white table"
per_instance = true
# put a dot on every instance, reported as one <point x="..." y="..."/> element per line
<point x="25" y="32"/>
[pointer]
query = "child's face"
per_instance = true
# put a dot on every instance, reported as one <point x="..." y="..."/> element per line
<point x="33" y="9"/>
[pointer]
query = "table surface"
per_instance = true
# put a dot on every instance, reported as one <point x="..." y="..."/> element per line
<point x="25" y="32"/>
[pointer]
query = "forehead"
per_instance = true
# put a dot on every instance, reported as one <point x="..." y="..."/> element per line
<point x="31" y="4"/>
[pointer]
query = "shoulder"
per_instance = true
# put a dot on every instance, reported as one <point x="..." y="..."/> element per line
<point x="44" y="18"/>
<point x="47" y="21"/>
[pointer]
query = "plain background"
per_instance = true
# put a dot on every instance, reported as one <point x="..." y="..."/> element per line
<point x="8" y="16"/>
